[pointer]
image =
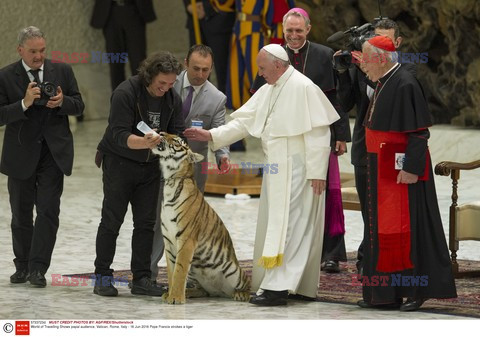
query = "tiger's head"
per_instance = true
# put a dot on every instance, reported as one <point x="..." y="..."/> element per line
<point x="176" y="158"/>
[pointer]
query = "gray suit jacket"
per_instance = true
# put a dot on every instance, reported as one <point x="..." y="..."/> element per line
<point x="209" y="107"/>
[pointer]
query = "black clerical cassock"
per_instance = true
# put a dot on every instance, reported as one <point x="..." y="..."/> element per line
<point x="405" y="243"/>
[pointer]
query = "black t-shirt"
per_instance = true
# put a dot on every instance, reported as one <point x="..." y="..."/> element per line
<point x="155" y="106"/>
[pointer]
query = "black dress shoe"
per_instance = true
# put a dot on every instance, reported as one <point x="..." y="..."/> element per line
<point x="20" y="276"/>
<point x="37" y="279"/>
<point x="270" y="298"/>
<point x="412" y="304"/>
<point x="331" y="267"/>
<point x="104" y="286"/>
<point x="298" y="297"/>
<point x="366" y="305"/>
<point x="359" y="267"/>
<point x="145" y="286"/>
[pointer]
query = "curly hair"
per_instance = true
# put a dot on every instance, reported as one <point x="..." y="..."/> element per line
<point x="161" y="62"/>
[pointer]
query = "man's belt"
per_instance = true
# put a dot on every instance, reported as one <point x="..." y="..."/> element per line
<point x="248" y="17"/>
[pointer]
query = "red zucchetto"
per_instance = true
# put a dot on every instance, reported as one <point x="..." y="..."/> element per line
<point x="382" y="42"/>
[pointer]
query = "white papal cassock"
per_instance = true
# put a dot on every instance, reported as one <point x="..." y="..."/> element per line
<point x="292" y="118"/>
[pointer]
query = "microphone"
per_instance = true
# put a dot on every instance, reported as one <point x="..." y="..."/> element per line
<point x="364" y="26"/>
<point x="335" y="37"/>
<point x="353" y="30"/>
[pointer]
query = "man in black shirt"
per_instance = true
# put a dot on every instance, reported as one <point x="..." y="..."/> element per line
<point x="131" y="172"/>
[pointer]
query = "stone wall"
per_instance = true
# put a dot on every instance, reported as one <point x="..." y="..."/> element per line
<point x="447" y="29"/>
<point x="66" y="25"/>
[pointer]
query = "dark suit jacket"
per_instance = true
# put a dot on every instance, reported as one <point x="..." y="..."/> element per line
<point x="101" y="11"/>
<point x="25" y="131"/>
<point x="352" y="90"/>
<point x="214" y="22"/>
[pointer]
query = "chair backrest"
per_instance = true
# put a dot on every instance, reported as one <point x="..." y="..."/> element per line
<point x="467" y="219"/>
<point x="464" y="220"/>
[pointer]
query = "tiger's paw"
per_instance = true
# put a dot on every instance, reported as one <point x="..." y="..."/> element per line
<point x="175" y="299"/>
<point x="242" y="296"/>
<point x="195" y="292"/>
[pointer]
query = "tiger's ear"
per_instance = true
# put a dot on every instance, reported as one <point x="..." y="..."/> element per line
<point x="194" y="157"/>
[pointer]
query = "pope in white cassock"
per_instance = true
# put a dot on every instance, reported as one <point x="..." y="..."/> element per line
<point x="291" y="116"/>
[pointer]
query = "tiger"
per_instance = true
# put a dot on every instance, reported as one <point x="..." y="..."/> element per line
<point x="197" y="243"/>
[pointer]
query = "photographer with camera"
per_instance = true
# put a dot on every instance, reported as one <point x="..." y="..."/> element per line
<point x="36" y="98"/>
<point x="314" y="61"/>
<point x="355" y="89"/>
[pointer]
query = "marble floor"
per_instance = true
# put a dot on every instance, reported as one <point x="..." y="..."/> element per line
<point x="80" y="214"/>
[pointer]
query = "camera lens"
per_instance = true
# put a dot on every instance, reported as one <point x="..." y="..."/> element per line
<point x="49" y="89"/>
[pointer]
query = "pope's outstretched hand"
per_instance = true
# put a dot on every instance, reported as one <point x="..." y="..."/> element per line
<point x="196" y="134"/>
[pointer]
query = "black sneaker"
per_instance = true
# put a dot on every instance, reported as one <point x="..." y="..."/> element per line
<point x="104" y="286"/>
<point x="145" y="286"/>
<point x="37" y="279"/>
<point x="20" y="276"/>
<point x="154" y="282"/>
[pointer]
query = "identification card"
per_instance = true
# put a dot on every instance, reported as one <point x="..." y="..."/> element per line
<point x="399" y="160"/>
<point x="196" y="123"/>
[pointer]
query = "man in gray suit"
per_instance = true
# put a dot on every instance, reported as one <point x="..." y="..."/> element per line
<point x="203" y="107"/>
<point x="206" y="109"/>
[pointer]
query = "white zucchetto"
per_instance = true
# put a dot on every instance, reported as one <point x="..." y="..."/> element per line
<point x="277" y="51"/>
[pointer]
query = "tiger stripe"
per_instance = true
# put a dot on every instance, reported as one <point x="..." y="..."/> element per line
<point x="197" y="244"/>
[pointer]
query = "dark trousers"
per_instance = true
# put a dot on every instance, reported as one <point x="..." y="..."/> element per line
<point x="158" y="243"/>
<point x="33" y="243"/>
<point x="124" y="182"/>
<point x="220" y="44"/>
<point x="333" y="248"/>
<point x="361" y="186"/>
<point x="125" y="32"/>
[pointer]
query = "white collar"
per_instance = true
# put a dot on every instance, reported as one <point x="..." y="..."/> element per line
<point x="27" y="68"/>
<point x="390" y="70"/>
<point x="296" y="51"/>
<point x="282" y="79"/>
<point x="186" y="84"/>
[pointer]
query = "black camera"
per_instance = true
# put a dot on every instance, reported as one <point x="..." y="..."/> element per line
<point x="47" y="90"/>
<point x="358" y="35"/>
